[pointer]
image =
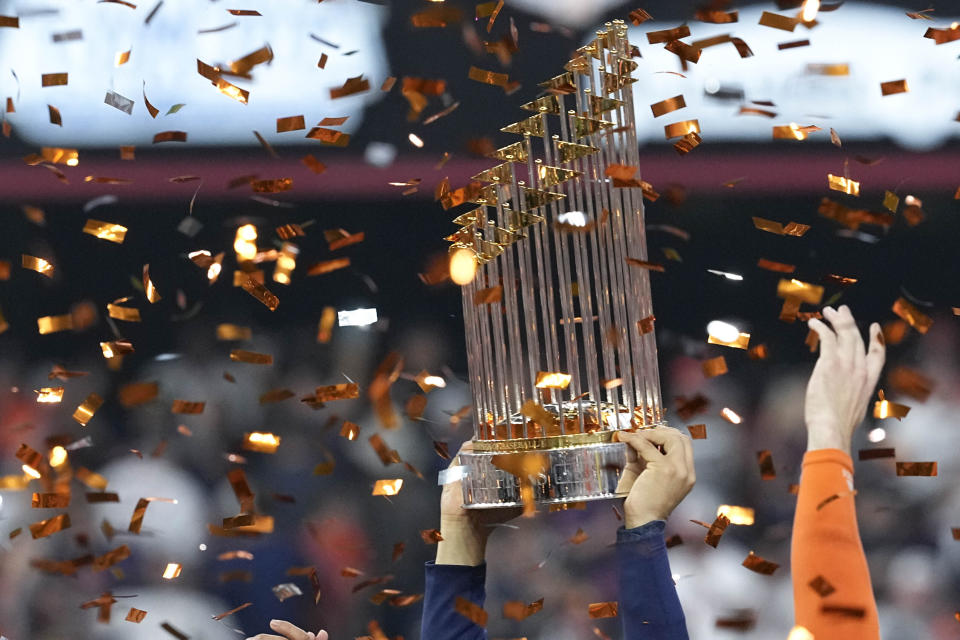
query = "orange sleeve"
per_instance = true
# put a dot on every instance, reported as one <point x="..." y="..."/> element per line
<point x="826" y="545"/>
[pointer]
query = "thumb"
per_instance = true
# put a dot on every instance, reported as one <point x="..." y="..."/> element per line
<point x="876" y="355"/>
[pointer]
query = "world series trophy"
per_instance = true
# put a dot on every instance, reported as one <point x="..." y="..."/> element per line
<point x="560" y="344"/>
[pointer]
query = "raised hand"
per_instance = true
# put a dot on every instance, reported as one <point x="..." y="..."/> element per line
<point x="842" y="381"/>
<point x="657" y="482"/>
<point x="289" y="631"/>
<point x="465" y="531"/>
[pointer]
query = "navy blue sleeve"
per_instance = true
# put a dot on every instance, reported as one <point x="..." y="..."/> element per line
<point x="649" y="606"/>
<point x="444" y="583"/>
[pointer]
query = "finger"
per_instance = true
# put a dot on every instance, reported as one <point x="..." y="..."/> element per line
<point x="322" y="635"/>
<point x="857" y="348"/>
<point x="641" y="445"/>
<point x="291" y="631"/>
<point x="876" y="355"/>
<point x="667" y="437"/>
<point x="828" y="339"/>
<point x="266" y="636"/>
<point x="846" y="328"/>
<point x="676" y="445"/>
<point x="631" y="471"/>
<point x="688" y="457"/>
<point x="466" y="447"/>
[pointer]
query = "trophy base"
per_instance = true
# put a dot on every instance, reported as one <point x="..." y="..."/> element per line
<point x="573" y="474"/>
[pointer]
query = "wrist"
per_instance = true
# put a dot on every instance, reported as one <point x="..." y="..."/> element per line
<point x="462" y="544"/>
<point x="827" y="439"/>
<point x="634" y="520"/>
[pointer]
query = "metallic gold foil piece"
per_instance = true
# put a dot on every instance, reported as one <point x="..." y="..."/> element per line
<point x="687" y="143"/>
<point x="54" y="115"/>
<point x="170" y="136"/>
<point x="137" y="393"/>
<point x="792" y="131"/>
<point x="883" y="408"/>
<point x="250" y="357"/>
<point x="172" y="571"/>
<point x="927" y="469"/>
<point x="329" y="137"/>
<point x="261" y="293"/>
<point x="778" y="21"/>
<point x="736" y="515"/>
<point x="639" y="16"/>
<point x="804" y="291"/>
<point x="326" y="266"/>
<point x="911" y="382"/>
<point x="50" y="500"/>
<point x="942" y="36"/>
<point x="552" y="380"/>
<point x="387" y="487"/>
<point x="822" y="586"/>
<point x="666" y="35"/>
<point x="765" y="462"/>
<point x="602" y="609"/>
<point x="91" y="479"/>
<point x="345" y="391"/>
<point x="715" y="530"/>
<point x="742" y="341"/>
<point x="684" y="51"/>
<point x="697" y="431"/>
<point x="50" y="395"/>
<point x="272" y="186"/>
<point x="715" y="16"/>
<point x="730" y="416"/>
<point x="105" y="230"/>
<point x="668" y="105"/>
<point x="473" y="612"/>
<point x="126" y="314"/>
<point x="352" y="86"/>
<point x="261" y="442"/>
<point x="916" y="318"/>
<point x="758" y="565"/>
<point x="846" y="185"/>
<point x="680" y="129"/>
<point x="53" y="324"/>
<point x="488" y="295"/>
<point x="12" y="22"/>
<point x="714" y="367"/>
<point x="39" y="265"/>
<point x="328" y="319"/>
<point x="290" y="123"/>
<point x="520" y="611"/>
<point x="116" y="348"/>
<point x="488" y="77"/>
<point x="652" y="266"/>
<point x="793" y="44"/>
<point x="339" y="238"/>
<point x="893" y="87"/>
<point x="228" y="331"/>
<point x="187" y="407"/>
<point x="876" y="454"/>
<point x="890" y="201"/>
<point x="50" y="526"/>
<point x="53" y="79"/>
<point x="778" y="267"/>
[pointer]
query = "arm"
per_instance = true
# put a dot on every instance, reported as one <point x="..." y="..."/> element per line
<point x="826" y="541"/>
<point x="460" y="570"/>
<point x="649" y="606"/>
